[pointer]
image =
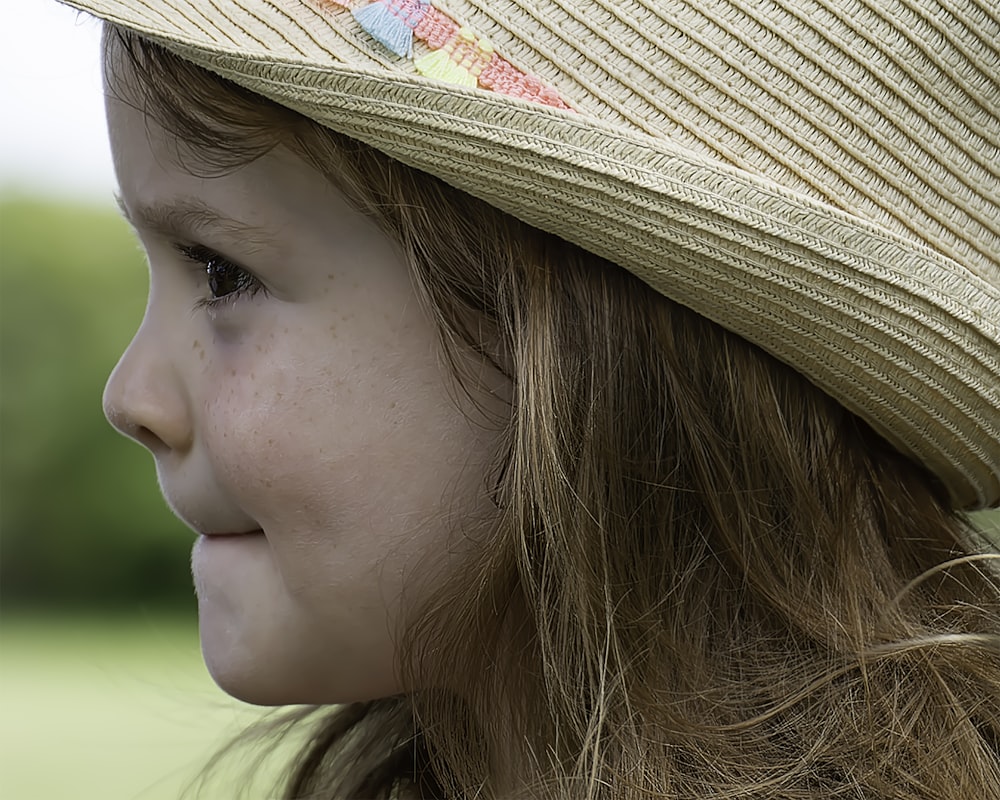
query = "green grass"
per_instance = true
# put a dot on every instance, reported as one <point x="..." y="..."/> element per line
<point x="99" y="710"/>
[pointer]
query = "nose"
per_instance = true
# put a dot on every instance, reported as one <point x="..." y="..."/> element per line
<point x="145" y="397"/>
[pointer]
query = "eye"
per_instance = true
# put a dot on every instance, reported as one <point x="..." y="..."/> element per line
<point x="226" y="281"/>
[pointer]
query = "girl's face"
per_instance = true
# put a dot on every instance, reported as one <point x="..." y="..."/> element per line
<point x="290" y="388"/>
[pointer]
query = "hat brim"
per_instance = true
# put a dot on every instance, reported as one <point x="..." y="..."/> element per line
<point x="901" y="335"/>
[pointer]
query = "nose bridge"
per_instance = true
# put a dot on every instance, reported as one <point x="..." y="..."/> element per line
<point x="146" y="397"/>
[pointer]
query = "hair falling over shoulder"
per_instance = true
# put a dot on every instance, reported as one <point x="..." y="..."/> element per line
<point x="704" y="578"/>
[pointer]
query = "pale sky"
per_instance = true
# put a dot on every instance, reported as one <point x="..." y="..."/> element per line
<point x="52" y="137"/>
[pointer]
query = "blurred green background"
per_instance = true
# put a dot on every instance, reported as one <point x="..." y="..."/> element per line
<point x="103" y="693"/>
<point x="81" y="514"/>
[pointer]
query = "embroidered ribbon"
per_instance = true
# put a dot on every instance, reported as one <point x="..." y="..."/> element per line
<point x="457" y="55"/>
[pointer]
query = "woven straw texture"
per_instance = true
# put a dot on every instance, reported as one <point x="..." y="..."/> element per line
<point x="820" y="176"/>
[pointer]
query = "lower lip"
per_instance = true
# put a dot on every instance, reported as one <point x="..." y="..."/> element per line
<point x="216" y="556"/>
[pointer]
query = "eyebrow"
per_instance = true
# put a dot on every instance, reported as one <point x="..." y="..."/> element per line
<point x="184" y="217"/>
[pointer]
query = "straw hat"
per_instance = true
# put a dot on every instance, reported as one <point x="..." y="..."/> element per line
<point x="820" y="176"/>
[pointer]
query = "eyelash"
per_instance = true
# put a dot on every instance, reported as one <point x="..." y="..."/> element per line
<point x="246" y="284"/>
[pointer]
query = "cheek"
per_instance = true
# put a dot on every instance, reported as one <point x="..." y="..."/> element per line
<point x="351" y="462"/>
<point x="326" y="443"/>
<point x="268" y="434"/>
<point x="264" y="427"/>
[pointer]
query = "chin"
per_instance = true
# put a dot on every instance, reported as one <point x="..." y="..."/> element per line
<point x="265" y="646"/>
<point x="237" y="669"/>
<point x="281" y="674"/>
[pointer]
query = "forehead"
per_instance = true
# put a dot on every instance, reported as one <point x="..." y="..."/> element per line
<point x="165" y="190"/>
<point x="276" y="205"/>
<point x="171" y="122"/>
<point x="217" y="125"/>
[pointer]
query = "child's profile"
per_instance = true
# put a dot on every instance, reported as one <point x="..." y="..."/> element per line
<point x="573" y="399"/>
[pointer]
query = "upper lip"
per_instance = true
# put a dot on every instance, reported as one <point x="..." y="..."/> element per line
<point x="210" y="518"/>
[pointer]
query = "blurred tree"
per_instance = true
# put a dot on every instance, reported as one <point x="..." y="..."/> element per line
<point x="81" y="519"/>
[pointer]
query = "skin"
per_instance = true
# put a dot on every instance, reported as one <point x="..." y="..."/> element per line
<point x="314" y="417"/>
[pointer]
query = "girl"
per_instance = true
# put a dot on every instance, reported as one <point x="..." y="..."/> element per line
<point x="578" y="399"/>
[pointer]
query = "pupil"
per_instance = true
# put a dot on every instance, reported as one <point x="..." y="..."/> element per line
<point x="222" y="278"/>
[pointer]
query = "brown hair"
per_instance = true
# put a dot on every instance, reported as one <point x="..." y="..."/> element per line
<point x="705" y="577"/>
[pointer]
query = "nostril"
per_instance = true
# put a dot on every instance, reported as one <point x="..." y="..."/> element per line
<point x="148" y="439"/>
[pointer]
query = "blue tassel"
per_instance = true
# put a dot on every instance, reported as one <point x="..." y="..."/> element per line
<point x="391" y="22"/>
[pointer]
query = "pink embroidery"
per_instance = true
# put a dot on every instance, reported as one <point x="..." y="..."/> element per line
<point x="409" y="11"/>
<point x="458" y="55"/>
<point x="499" y="75"/>
<point x="436" y="29"/>
<point x="473" y="55"/>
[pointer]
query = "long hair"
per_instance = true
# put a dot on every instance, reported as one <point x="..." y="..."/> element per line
<point x="705" y="578"/>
